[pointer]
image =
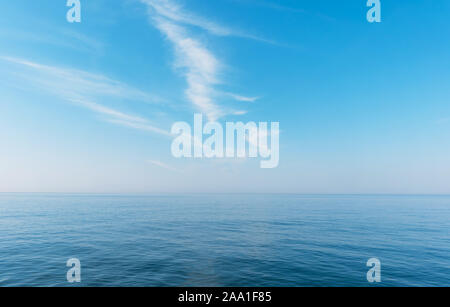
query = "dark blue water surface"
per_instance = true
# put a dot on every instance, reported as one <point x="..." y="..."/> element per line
<point x="224" y="240"/>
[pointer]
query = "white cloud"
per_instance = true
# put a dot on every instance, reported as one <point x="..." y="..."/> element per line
<point x="199" y="65"/>
<point x="173" y="12"/>
<point x="177" y="14"/>
<point x="73" y="82"/>
<point x="240" y="112"/>
<point x="163" y="165"/>
<point x="63" y="37"/>
<point x="242" y="98"/>
<point x="83" y="89"/>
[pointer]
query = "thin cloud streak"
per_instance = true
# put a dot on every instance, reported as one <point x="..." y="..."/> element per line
<point x="279" y="7"/>
<point x="57" y="37"/>
<point x="83" y="89"/>
<point x="76" y="81"/>
<point x="272" y="5"/>
<point x="243" y="98"/>
<point x="140" y="126"/>
<point x="163" y="165"/>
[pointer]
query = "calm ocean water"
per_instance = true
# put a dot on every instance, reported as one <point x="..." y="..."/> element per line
<point x="224" y="240"/>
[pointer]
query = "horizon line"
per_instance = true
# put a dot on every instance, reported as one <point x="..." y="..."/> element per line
<point x="229" y="193"/>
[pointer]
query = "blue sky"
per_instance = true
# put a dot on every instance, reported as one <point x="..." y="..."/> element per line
<point x="363" y="108"/>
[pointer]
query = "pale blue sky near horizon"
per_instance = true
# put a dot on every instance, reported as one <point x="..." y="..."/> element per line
<point x="363" y="108"/>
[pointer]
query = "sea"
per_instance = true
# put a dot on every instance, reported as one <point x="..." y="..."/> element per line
<point x="233" y="240"/>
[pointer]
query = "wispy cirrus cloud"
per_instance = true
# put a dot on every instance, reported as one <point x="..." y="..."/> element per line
<point x="75" y="82"/>
<point x="274" y="5"/>
<point x="84" y="89"/>
<point x="271" y="5"/>
<point x="61" y="37"/>
<point x="163" y="165"/>
<point x="199" y="65"/>
<point x="176" y="13"/>
<point x="243" y="98"/>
